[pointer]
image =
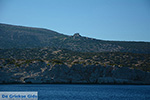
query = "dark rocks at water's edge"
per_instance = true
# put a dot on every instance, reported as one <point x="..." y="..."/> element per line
<point x="40" y="72"/>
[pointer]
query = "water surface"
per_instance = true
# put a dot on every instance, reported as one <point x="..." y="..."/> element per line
<point x="83" y="92"/>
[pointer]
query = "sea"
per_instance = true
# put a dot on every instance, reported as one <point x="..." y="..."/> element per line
<point x="82" y="91"/>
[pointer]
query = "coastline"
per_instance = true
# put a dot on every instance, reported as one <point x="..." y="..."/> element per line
<point x="77" y="74"/>
<point x="72" y="84"/>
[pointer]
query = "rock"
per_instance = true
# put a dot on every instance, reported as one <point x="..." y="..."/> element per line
<point x="124" y="73"/>
<point x="76" y="36"/>
<point x="106" y="80"/>
<point x="39" y="72"/>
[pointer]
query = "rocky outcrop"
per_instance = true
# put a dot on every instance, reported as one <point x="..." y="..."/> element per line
<point x="40" y="72"/>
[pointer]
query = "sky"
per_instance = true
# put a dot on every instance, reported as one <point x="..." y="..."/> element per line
<point x="118" y="20"/>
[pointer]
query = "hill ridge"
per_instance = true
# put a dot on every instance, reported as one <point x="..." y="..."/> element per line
<point x="13" y="36"/>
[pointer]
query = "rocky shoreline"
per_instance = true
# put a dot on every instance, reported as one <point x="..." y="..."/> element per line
<point x="42" y="73"/>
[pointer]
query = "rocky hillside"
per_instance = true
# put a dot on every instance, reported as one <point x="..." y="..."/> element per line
<point x="68" y="57"/>
<point x="27" y="37"/>
<point x="36" y="55"/>
<point x="44" y="72"/>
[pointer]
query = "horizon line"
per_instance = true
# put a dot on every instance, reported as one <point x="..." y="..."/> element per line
<point x="46" y="28"/>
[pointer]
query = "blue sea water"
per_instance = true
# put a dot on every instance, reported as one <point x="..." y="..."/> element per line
<point x="83" y="92"/>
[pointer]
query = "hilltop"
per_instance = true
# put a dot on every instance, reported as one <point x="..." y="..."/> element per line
<point x="12" y="36"/>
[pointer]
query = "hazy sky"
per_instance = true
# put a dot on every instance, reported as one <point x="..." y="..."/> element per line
<point x="127" y="20"/>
